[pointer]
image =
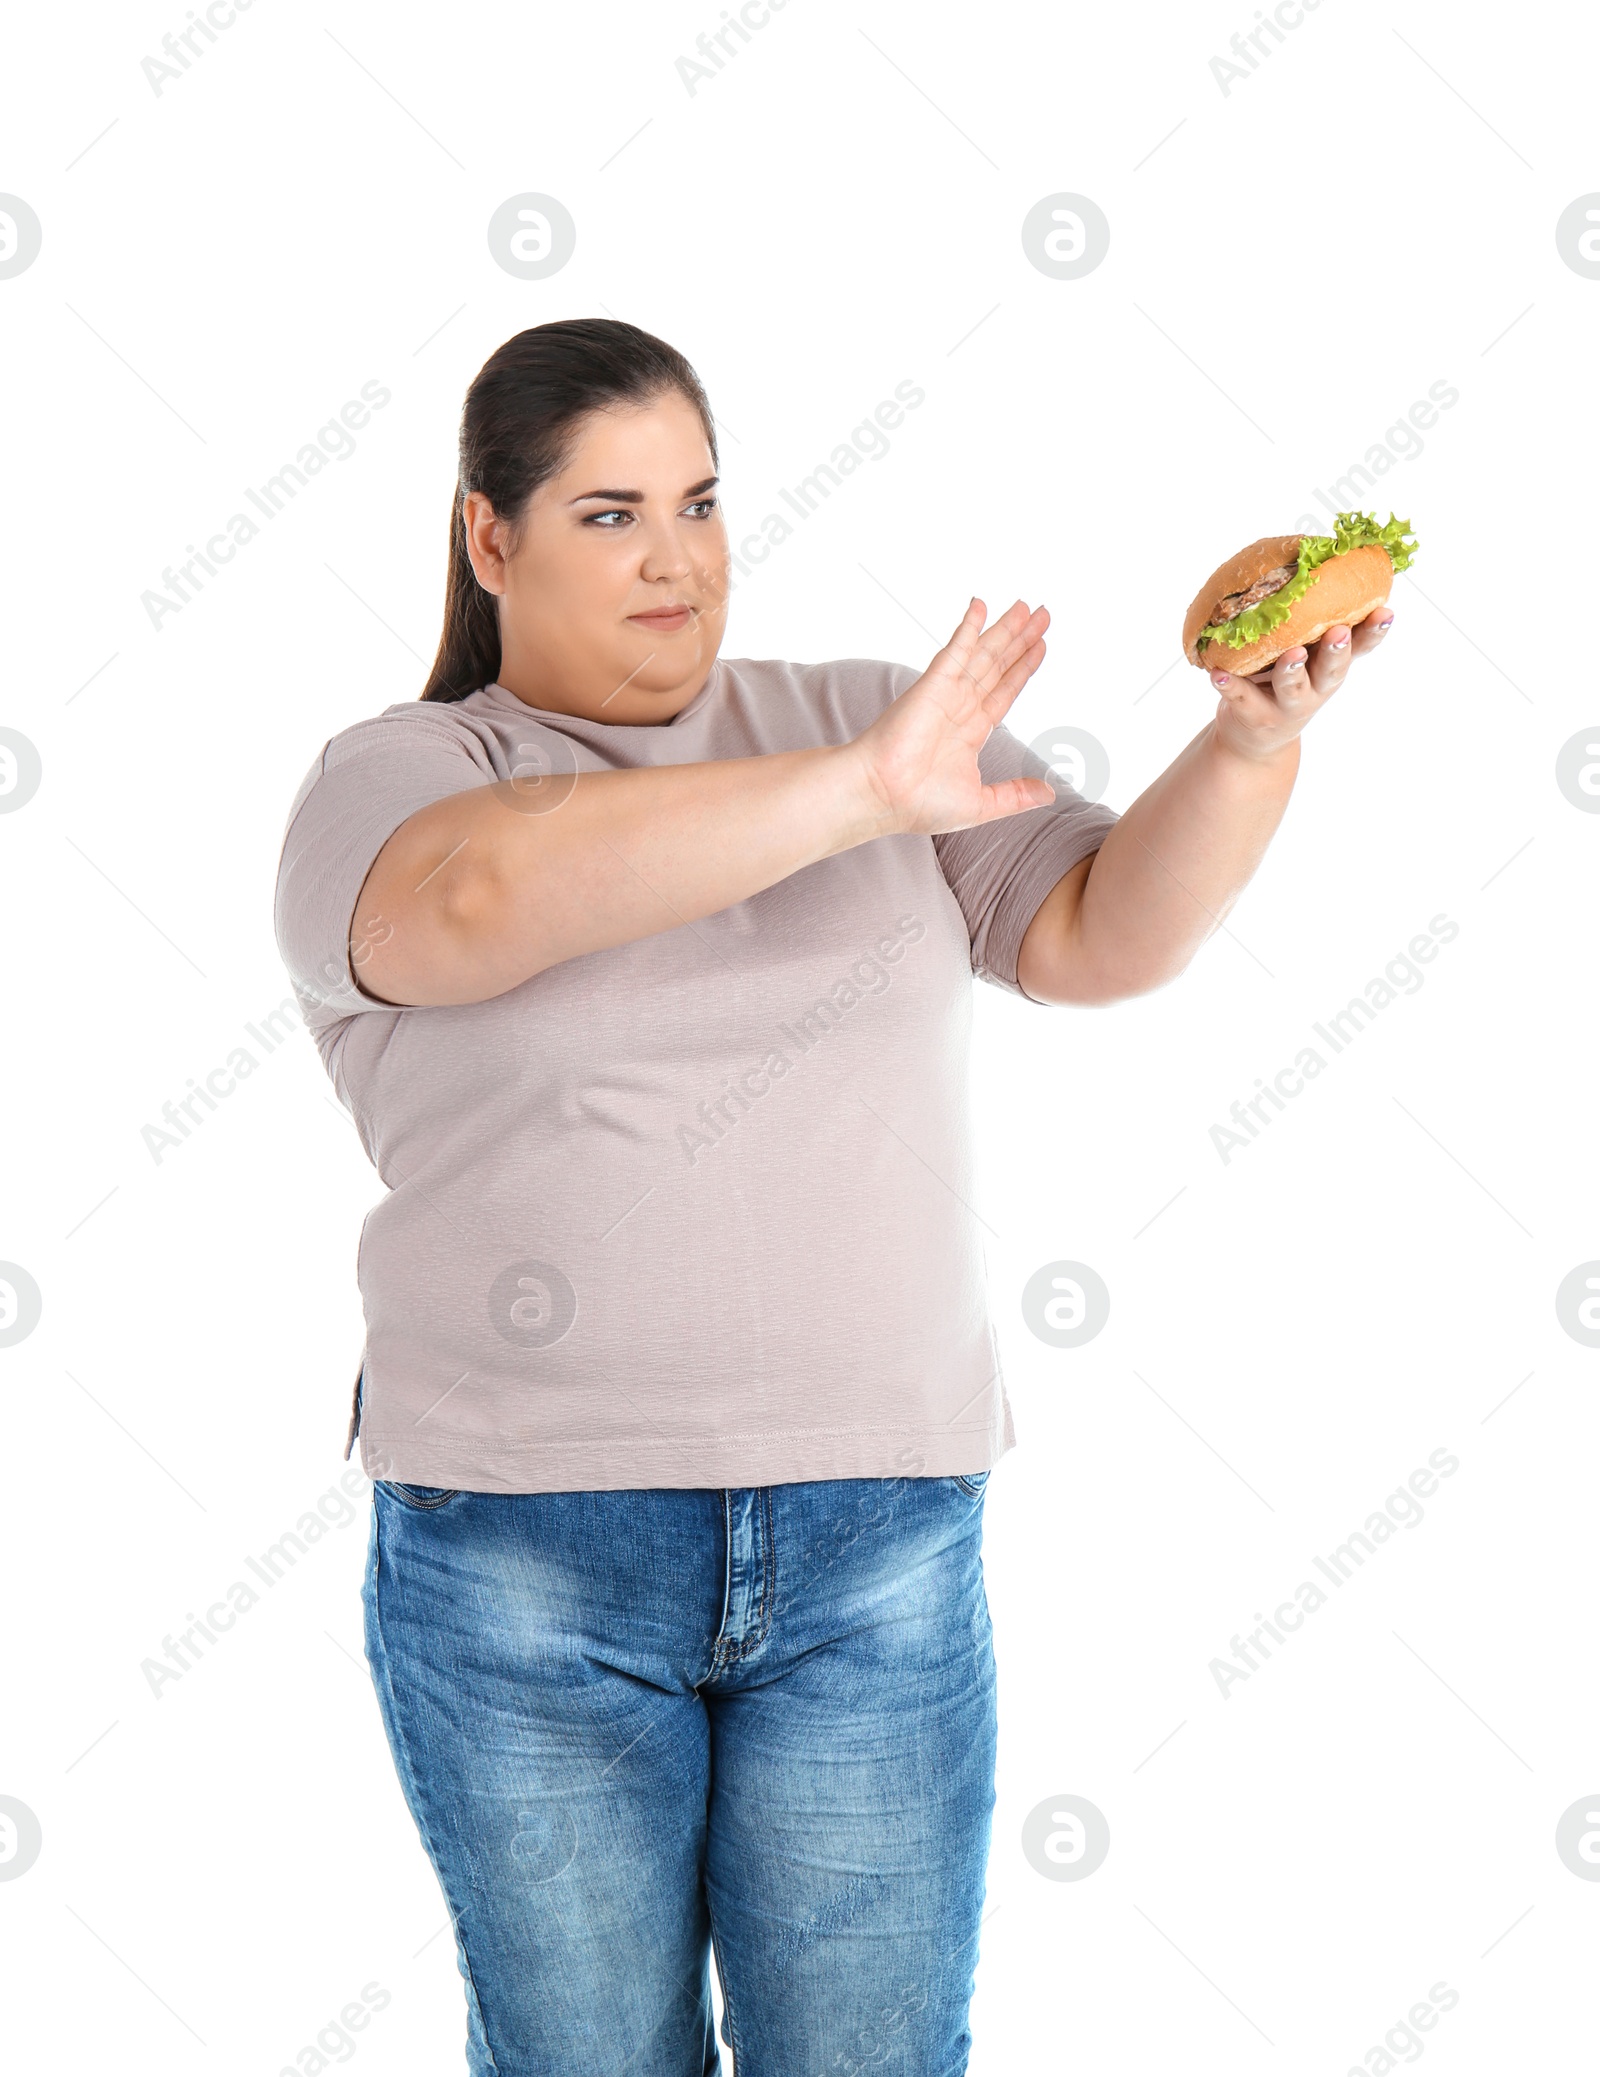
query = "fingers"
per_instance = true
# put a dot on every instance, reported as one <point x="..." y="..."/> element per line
<point x="1264" y="700"/>
<point x="986" y="652"/>
<point x="999" y="647"/>
<point x="998" y="701"/>
<point x="1006" y="628"/>
<point x="1321" y="670"/>
<point x="1251" y="699"/>
<point x="1329" y="659"/>
<point x="996" y="662"/>
<point x="1027" y="632"/>
<point x="968" y="628"/>
<point x="1369" y="633"/>
<point x="1301" y="678"/>
<point x="1290" y="682"/>
<point x="1287" y="676"/>
<point x="1012" y="796"/>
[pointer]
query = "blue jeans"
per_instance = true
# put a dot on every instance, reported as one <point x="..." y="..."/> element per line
<point x="633" y="1724"/>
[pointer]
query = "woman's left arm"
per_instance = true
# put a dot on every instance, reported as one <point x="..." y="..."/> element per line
<point x="1130" y="918"/>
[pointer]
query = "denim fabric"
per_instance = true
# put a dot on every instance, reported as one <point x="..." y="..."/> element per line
<point x="632" y="1723"/>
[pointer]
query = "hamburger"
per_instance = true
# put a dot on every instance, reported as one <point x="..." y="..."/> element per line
<point x="1285" y="591"/>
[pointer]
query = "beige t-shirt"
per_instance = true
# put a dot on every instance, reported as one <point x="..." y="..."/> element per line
<point x="696" y="1210"/>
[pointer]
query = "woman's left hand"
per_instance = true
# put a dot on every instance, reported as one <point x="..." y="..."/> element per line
<point x="1263" y="713"/>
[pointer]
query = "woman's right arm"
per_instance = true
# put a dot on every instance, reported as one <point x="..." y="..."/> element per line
<point x="475" y="894"/>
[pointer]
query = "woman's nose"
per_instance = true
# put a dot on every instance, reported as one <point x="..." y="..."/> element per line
<point x="666" y="556"/>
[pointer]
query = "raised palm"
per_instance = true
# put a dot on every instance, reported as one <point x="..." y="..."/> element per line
<point x="921" y="754"/>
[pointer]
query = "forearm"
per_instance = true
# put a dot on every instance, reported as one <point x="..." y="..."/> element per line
<point x="478" y="893"/>
<point x="1165" y="877"/>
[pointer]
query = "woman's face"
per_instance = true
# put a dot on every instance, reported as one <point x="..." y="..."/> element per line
<point x="613" y="605"/>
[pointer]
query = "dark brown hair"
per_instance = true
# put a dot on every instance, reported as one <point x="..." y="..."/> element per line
<point x="518" y="425"/>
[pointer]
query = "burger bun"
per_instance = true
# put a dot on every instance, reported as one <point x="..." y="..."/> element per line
<point x="1344" y="590"/>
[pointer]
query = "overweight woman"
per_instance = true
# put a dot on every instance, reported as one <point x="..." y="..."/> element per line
<point x="646" y="977"/>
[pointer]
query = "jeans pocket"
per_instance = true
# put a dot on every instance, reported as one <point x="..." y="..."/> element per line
<point x="421" y="1497"/>
<point x="972" y="1482"/>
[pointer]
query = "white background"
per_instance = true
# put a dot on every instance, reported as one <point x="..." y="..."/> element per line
<point x="1293" y="262"/>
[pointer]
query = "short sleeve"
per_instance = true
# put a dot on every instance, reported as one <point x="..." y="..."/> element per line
<point x="1001" y="872"/>
<point x="369" y="779"/>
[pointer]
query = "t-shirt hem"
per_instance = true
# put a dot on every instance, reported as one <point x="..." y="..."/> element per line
<point x="774" y="1457"/>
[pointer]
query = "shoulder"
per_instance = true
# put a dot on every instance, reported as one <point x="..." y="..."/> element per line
<point x="419" y="726"/>
<point x="411" y="752"/>
<point x="412" y="731"/>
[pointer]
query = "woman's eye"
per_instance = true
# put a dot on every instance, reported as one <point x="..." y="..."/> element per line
<point x="702" y="508"/>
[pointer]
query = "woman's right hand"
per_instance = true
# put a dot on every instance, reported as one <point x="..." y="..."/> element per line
<point x="918" y="762"/>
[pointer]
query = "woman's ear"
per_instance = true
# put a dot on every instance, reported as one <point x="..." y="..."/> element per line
<point x="483" y="533"/>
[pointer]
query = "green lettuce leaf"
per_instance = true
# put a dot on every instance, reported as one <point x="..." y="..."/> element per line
<point x="1350" y="530"/>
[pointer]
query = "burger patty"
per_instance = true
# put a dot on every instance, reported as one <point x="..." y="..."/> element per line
<point x="1241" y="601"/>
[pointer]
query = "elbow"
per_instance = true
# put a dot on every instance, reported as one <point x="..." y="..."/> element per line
<point x="439" y="944"/>
<point x="469" y="903"/>
<point x="1097" y="984"/>
<point x="472" y="946"/>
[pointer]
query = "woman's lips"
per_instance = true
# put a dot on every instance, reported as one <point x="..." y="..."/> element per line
<point x="665" y="622"/>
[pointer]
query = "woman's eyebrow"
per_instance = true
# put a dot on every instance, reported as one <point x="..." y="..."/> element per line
<point x="636" y="497"/>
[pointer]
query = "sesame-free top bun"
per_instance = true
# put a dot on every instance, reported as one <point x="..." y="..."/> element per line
<point x="1344" y="590"/>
